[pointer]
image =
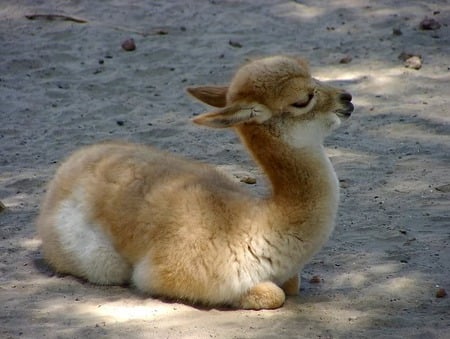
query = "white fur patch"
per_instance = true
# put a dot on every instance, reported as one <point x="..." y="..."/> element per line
<point x="311" y="133"/>
<point x="87" y="244"/>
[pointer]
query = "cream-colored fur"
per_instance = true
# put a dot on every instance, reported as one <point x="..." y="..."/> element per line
<point x="118" y="212"/>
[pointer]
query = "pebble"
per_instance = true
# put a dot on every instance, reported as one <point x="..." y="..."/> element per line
<point x="315" y="279"/>
<point x="343" y="183"/>
<point x="429" y="24"/>
<point x="345" y="60"/>
<point x="441" y="293"/>
<point x="415" y="62"/>
<point x="396" y="31"/>
<point x="411" y="60"/>
<point x="129" y="45"/>
<point x="234" y="43"/>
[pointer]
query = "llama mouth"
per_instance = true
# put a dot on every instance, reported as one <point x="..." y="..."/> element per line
<point x="346" y="112"/>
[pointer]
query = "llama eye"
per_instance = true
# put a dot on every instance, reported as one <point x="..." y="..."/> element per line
<point x="303" y="104"/>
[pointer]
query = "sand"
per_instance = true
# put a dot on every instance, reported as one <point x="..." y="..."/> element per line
<point x="65" y="84"/>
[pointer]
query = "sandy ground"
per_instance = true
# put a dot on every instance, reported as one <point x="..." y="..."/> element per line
<point x="65" y="84"/>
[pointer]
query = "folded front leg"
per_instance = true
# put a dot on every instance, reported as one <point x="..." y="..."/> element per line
<point x="265" y="295"/>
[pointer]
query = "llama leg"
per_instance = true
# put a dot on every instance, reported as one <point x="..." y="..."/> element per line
<point x="265" y="295"/>
<point x="291" y="286"/>
<point x="77" y="245"/>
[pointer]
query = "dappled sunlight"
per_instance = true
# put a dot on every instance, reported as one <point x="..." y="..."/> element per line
<point x="173" y="315"/>
<point x="295" y="10"/>
<point x="344" y="318"/>
<point x="128" y="310"/>
<point x="377" y="80"/>
<point x="367" y="278"/>
<point x="384" y="268"/>
<point x="374" y="289"/>
<point x="179" y="315"/>
<point x="336" y="74"/>
<point x="376" y="282"/>
<point x="119" y="311"/>
<point x="350" y="279"/>
<point x="347" y="155"/>
<point x="399" y="285"/>
<point x="19" y="188"/>
<point x="417" y="131"/>
<point x="415" y="186"/>
<point x="15" y="201"/>
<point x="299" y="10"/>
<point x="30" y="244"/>
<point x="340" y="318"/>
<point x="407" y="287"/>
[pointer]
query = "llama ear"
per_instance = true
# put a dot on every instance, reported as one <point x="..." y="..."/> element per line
<point x="212" y="95"/>
<point x="234" y="115"/>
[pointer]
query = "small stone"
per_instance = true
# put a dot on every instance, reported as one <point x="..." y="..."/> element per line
<point x="345" y="60"/>
<point x="235" y="44"/>
<point x="120" y="122"/>
<point x="248" y="180"/>
<point x="2" y="207"/>
<point x="396" y="31"/>
<point x="343" y="183"/>
<point x="441" y="293"/>
<point x="414" y="62"/>
<point x="429" y="24"/>
<point x="129" y="45"/>
<point x="315" y="280"/>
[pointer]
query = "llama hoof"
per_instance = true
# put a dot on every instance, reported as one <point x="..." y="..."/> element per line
<point x="265" y="295"/>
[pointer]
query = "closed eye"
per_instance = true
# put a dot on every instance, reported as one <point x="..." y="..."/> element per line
<point x="303" y="104"/>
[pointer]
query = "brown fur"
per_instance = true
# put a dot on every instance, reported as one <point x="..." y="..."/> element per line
<point x="118" y="212"/>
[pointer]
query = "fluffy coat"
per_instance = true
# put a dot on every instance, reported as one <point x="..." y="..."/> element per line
<point x="118" y="212"/>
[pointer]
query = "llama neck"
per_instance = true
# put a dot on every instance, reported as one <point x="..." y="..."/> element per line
<point x="301" y="176"/>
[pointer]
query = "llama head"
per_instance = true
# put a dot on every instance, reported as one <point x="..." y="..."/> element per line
<point x="277" y="92"/>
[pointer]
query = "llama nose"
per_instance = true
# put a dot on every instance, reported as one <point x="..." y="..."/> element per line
<point x="345" y="96"/>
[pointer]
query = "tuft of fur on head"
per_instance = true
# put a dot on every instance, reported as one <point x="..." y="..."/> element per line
<point x="267" y="80"/>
